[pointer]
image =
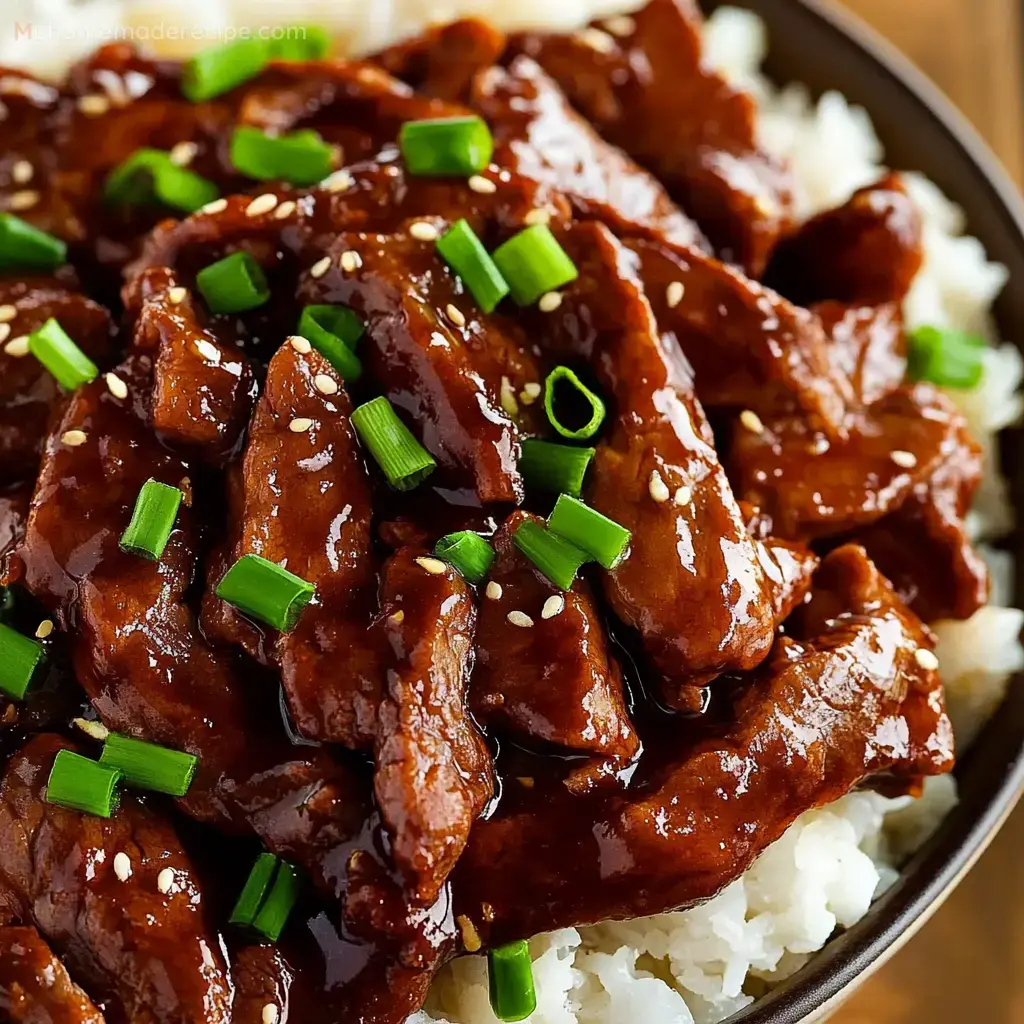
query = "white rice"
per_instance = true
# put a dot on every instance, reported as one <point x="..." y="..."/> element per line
<point x="694" y="966"/>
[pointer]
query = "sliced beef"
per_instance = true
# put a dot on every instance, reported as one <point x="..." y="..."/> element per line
<point x="866" y="346"/>
<point x="789" y="567"/>
<point x="13" y="514"/>
<point x="262" y="977"/>
<point x="555" y="682"/>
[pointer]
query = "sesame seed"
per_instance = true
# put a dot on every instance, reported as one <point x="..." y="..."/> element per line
<point x="165" y="881"/>
<point x="622" y="25"/>
<point x="549" y="302"/>
<point x="21" y="172"/>
<point x="658" y="488"/>
<point x="470" y="936"/>
<point x="214" y="206"/>
<point x="17" y="347"/>
<point x="456" y="315"/>
<point x="93" y="105"/>
<point x="553" y="606"/>
<point x="177" y="295"/>
<point x="320" y="267"/>
<point x="286" y="209"/>
<point x="520" y="619"/>
<point x="596" y="40"/>
<point x="422" y="231"/>
<point x="493" y="591"/>
<point x="116" y="386"/>
<point x="674" y="294"/>
<point x="337" y="154"/>
<point x="540" y="216"/>
<point x="208" y="350"/>
<point x="325" y="384"/>
<point x="926" y="659"/>
<point x="270" y="1013"/>
<point x="94" y="730"/>
<point x="478" y="183"/>
<point x="261" y="205"/>
<point x="74" y="438"/>
<point x="300" y="425"/>
<point x="339" y="181"/>
<point x="183" y="153"/>
<point x="508" y="398"/>
<point x="5" y="330"/>
<point x="526" y="781"/>
<point x="8" y="313"/>
<point x="122" y="867"/>
<point x="44" y="629"/>
<point x="350" y="262"/>
<point x="432" y="565"/>
<point x="300" y="344"/>
<point x="23" y="200"/>
<point x="905" y="460"/>
<point x="530" y="393"/>
<point x="397" y="618"/>
<point x="752" y="421"/>
<point x="683" y="496"/>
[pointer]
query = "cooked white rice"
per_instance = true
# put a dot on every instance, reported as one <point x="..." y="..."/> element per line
<point x="824" y="872"/>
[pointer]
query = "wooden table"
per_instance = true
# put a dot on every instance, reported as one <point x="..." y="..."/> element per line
<point x="967" y="965"/>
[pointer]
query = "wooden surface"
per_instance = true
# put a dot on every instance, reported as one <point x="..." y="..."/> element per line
<point x="967" y="965"/>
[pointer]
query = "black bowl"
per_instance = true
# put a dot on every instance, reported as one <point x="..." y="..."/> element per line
<point x="813" y="42"/>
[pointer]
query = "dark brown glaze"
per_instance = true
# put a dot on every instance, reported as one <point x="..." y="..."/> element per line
<point x="648" y="92"/>
<point x="867" y="346"/>
<point x="789" y="567"/>
<point x="13" y="514"/>
<point x="153" y="954"/>
<point x="867" y="251"/>
<point x="434" y="774"/>
<point x="555" y="682"/>
<point x="262" y="977"/>
<point x="538" y="134"/>
<point x="34" y="985"/>
<point x="795" y="740"/>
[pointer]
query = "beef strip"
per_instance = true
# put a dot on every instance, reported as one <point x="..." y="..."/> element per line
<point x="556" y="682"/>
<point x="153" y="954"/>
<point x="13" y="513"/>
<point x="845" y="700"/>
<point x="262" y="977"/>
<point x="649" y="92"/>
<point x="35" y="987"/>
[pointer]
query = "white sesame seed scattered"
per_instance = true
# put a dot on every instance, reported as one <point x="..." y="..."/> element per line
<point x="122" y="866"/>
<point x="261" y="205"/>
<point x="325" y="384"/>
<point x="422" y="231"/>
<point x="208" y="350"/>
<point x="674" y="294"/>
<point x="5" y="330"/>
<point x="470" y="936"/>
<point x="752" y="421"/>
<point x="350" y="261"/>
<point x="214" y="206"/>
<point x="540" y="216"/>
<point x="286" y="209"/>
<point x="177" y="295"/>
<point x="270" y="1013"/>
<point x="530" y="393"/>
<point x="493" y="591"/>
<point x="165" y="880"/>
<point x="17" y="347"/>
<point x="456" y="315"/>
<point x="622" y="25"/>
<point x="926" y="659"/>
<point x="8" y="313"/>
<point x="549" y="302"/>
<point x="94" y="730"/>
<point x="183" y="153"/>
<point x="21" y="172"/>
<point x="658" y="488"/>
<point x="905" y="460"/>
<point x="596" y="40"/>
<point x="432" y="565"/>
<point x="93" y="105"/>
<point x="300" y="425"/>
<point x="683" y="496"/>
<point x="44" y="629"/>
<point x="23" y="200"/>
<point x="300" y="344"/>
<point x="339" y="181"/>
<point x="116" y="386"/>
<point x="478" y="183"/>
<point x="74" y="438"/>
<point x="320" y="267"/>
<point x="397" y="618"/>
<point x="508" y="398"/>
<point x="520" y="619"/>
<point x="553" y="606"/>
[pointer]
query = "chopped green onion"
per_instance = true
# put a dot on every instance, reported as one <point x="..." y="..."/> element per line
<point x="233" y="284"/>
<point x="951" y="359"/>
<point x="150" y="528"/>
<point x="312" y="44"/>
<point x="510" y="971"/>
<point x="219" y="69"/>
<point x="403" y="459"/>
<point x="468" y="552"/>
<point x="273" y="914"/>
<point x="446" y="146"/>
<point x="465" y="254"/>
<point x="266" y="591"/>
<point x="334" y="331"/>
<point x="301" y="158"/>
<point x="19" y="656"/>
<point x="593" y="410"/>
<point x="255" y="892"/>
<point x="82" y="785"/>
<point x="534" y="263"/>
<point x="555" y="557"/>
<point x="600" y="537"/>
<point x="61" y="356"/>
<point x="23" y="247"/>
<point x="147" y="766"/>
<point x="150" y="175"/>
<point x="554" y="467"/>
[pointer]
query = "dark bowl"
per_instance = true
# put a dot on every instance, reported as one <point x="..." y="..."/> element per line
<point x="812" y="41"/>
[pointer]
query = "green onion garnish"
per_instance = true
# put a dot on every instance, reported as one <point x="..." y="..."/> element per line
<point x="456" y="146"/>
<point x="19" y="656"/>
<point x="334" y="331"/>
<point x="403" y="459"/>
<point x="233" y="284"/>
<point x="150" y="528"/>
<point x="510" y="972"/>
<point x="312" y="44"/>
<point x="266" y="591"/>
<point x="951" y="359"/>
<point x="600" y="537"/>
<point x="273" y="914"/>
<point x="534" y="263"/>
<point x="554" y="467"/>
<point x="147" y="766"/>
<point x="465" y="254"/>
<point x="150" y="175"/>
<point x="578" y="395"/>
<point x="61" y="356"/>
<point x="256" y="888"/>
<point x="82" y="785"/>
<point x="301" y="158"/>
<point x="23" y="247"/>
<point x="468" y="552"/>
<point x="219" y="69"/>
<point x="554" y="556"/>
